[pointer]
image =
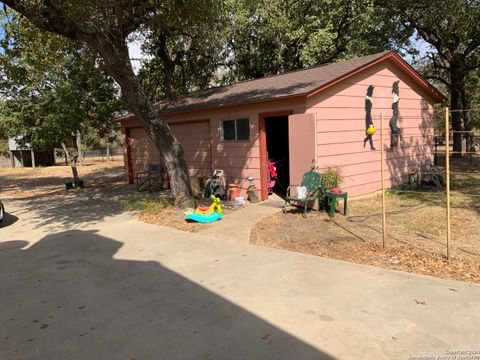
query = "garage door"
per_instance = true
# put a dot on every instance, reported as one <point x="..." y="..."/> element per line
<point x="195" y="138"/>
<point x="143" y="152"/>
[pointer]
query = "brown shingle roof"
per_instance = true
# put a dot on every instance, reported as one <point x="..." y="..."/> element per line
<point x="300" y="82"/>
<point x="296" y="83"/>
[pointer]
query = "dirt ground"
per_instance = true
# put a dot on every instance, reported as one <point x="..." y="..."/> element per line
<point x="108" y="177"/>
<point x="415" y="222"/>
<point x="416" y="231"/>
<point x="27" y="182"/>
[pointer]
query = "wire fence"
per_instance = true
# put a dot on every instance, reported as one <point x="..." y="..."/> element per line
<point x="452" y="184"/>
<point x="98" y="155"/>
<point x="437" y="208"/>
<point x="469" y="146"/>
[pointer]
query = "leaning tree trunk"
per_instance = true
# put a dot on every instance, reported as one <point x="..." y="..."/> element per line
<point x="120" y="68"/>
<point x="72" y="161"/>
<point x="112" y="47"/>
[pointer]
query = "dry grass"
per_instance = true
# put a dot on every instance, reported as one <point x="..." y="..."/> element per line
<point x="27" y="182"/>
<point x="161" y="211"/>
<point x="416" y="232"/>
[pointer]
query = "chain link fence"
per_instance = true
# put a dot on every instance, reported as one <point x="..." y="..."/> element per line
<point x="99" y="155"/>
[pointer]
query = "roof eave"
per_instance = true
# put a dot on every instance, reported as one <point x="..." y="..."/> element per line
<point x="421" y="81"/>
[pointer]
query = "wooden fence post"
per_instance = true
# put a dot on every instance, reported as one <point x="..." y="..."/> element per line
<point x="382" y="170"/>
<point x="447" y="177"/>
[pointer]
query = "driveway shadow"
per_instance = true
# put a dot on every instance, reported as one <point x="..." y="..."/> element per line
<point x="66" y="297"/>
<point x="62" y="210"/>
<point x="8" y="220"/>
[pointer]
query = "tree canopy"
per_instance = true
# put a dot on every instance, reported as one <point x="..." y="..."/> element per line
<point x="105" y="27"/>
<point x="54" y="89"/>
<point x="274" y="36"/>
<point x="453" y="30"/>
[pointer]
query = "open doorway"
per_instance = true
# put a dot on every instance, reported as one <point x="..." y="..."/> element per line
<point x="276" y="130"/>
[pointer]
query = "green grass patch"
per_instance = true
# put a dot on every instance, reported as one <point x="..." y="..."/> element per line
<point x="150" y="205"/>
<point x="467" y="184"/>
<point x="429" y="198"/>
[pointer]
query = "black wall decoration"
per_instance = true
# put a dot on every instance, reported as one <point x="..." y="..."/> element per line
<point x="369" y="128"/>
<point x="394" y="129"/>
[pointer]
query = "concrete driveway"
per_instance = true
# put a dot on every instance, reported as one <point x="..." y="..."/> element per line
<point x="81" y="279"/>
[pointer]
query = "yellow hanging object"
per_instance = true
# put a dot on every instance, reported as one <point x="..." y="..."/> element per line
<point x="371" y="130"/>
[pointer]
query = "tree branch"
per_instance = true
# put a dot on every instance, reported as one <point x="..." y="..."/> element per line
<point x="438" y="78"/>
<point x="436" y="63"/>
<point x="429" y="36"/>
<point x="51" y="18"/>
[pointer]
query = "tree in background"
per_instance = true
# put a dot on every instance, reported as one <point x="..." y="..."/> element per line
<point x="191" y="45"/>
<point x="105" y="27"/>
<point x="274" y="36"/>
<point x="183" y="55"/>
<point x="56" y="92"/>
<point x="453" y="30"/>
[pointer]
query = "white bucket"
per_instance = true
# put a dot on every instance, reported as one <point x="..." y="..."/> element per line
<point x="239" y="200"/>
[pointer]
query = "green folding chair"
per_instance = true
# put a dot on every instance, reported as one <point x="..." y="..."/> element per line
<point x="313" y="182"/>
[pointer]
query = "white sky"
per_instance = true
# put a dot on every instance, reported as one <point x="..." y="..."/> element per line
<point x="422" y="46"/>
<point x="135" y="54"/>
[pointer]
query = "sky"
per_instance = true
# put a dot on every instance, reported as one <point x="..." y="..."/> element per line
<point x="422" y="46"/>
<point x="135" y="54"/>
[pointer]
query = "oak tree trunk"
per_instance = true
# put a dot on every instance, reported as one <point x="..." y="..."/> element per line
<point x="71" y="159"/>
<point x="111" y="44"/>
<point x="119" y="67"/>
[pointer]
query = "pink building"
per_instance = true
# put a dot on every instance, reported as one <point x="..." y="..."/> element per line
<point x="318" y="115"/>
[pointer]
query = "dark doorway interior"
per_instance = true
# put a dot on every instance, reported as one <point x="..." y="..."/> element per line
<point x="276" y="130"/>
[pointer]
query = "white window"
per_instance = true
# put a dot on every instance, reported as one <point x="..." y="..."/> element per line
<point x="235" y="129"/>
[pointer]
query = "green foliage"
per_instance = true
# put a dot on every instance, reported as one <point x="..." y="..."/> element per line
<point x="331" y="177"/>
<point x="3" y="147"/>
<point x="451" y="28"/>
<point x="53" y="88"/>
<point x="274" y="36"/>
<point x="183" y="52"/>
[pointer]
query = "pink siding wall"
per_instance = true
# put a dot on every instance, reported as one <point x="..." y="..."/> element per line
<point x="340" y="113"/>
<point x="239" y="159"/>
<point x="340" y="119"/>
<point x="195" y="138"/>
<point x="143" y="152"/>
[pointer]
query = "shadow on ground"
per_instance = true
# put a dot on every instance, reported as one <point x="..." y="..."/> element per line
<point x="8" y="220"/>
<point x="64" y="210"/>
<point x="68" y="298"/>
<point x="27" y="181"/>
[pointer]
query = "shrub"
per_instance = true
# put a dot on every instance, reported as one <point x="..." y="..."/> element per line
<point x="332" y="177"/>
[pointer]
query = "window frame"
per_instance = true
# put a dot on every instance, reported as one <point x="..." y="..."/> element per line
<point x="235" y="120"/>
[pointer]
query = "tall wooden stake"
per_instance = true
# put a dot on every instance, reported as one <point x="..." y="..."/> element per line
<point x="447" y="176"/>
<point x="382" y="170"/>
